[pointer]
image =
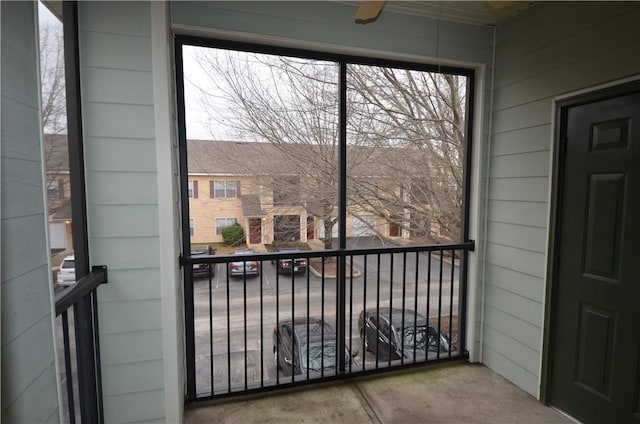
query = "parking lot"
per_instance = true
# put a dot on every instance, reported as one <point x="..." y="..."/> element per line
<point x="234" y="320"/>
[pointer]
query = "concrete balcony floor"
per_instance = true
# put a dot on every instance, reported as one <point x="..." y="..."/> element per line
<point x="447" y="393"/>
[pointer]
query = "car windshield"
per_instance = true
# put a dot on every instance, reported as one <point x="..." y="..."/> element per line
<point x="420" y="337"/>
<point x="316" y="353"/>
<point x="68" y="263"/>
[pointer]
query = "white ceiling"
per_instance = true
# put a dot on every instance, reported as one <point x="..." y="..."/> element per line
<point x="471" y="12"/>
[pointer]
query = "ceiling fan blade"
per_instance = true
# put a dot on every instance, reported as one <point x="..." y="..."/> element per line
<point x="369" y="11"/>
<point x="500" y="4"/>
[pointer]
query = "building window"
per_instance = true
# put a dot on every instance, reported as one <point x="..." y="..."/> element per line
<point x="222" y="223"/>
<point x="54" y="190"/>
<point x="225" y="189"/>
<point x="193" y="189"/>
<point x="192" y="226"/>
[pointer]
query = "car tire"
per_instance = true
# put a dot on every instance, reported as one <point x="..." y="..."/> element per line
<point x="275" y="357"/>
<point x="365" y="342"/>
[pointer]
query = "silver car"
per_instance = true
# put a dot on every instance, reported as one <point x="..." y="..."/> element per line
<point x="241" y="268"/>
<point x="67" y="271"/>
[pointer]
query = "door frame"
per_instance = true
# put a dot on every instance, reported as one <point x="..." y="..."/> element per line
<point x="558" y="162"/>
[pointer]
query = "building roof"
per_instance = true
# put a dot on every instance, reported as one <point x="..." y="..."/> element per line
<point x="215" y="157"/>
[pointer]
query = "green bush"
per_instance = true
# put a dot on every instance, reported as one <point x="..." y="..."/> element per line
<point x="233" y="235"/>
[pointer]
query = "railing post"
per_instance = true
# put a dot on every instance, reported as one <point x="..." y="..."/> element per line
<point x="85" y="352"/>
<point x="189" y="331"/>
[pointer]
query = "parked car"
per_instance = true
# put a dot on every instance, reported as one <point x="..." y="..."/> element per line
<point x="284" y="265"/>
<point x="384" y="332"/>
<point x="240" y="268"/>
<point x="203" y="270"/>
<point x="67" y="271"/>
<point x="294" y="341"/>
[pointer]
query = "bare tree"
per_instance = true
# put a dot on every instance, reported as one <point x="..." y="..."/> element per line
<point x="53" y="109"/>
<point x="418" y="119"/>
<point x="54" y="117"/>
<point x="405" y="134"/>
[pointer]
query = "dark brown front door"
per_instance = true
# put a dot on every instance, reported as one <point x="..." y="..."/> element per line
<point x="255" y="230"/>
<point x="595" y="336"/>
<point x="311" y="228"/>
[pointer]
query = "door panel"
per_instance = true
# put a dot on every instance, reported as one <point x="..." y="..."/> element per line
<point x="595" y="340"/>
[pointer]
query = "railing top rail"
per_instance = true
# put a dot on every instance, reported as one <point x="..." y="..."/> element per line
<point x="214" y="259"/>
<point x="81" y="288"/>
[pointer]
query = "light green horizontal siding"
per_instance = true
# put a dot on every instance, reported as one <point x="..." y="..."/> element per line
<point x="535" y="164"/>
<point x="513" y="371"/>
<point x="104" y="155"/>
<point x="142" y="284"/>
<point x="138" y="376"/>
<point x="114" y="86"/>
<point x="119" y="221"/>
<point x="552" y="49"/>
<point x="133" y="315"/>
<point x="519" y="283"/>
<point x="141" y="406"/>
<point x="522" y="140"/>
<point x="122" y="188"/>
<point x="525" y="189"/>
<point x="30" y="302"/>
<point x="121" y="175"/>
<point x="519" y="236"/>
<point x="29" y="384"/>
<point x="134" y="120"/>
<point x="589" y="32"/>
<point x="530" y="214"/>
<point x="132" y="347"/>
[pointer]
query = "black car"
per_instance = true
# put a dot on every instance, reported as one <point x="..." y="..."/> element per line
<point x="288" y="266"/>
<point x="384" y="332"/>
<point x="203" y="270"/>
<point x="296" y="341"/>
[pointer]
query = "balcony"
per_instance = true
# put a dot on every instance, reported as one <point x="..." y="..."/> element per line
<point x="449" y="393"/>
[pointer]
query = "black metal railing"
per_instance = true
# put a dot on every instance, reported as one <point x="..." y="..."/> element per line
<point x="257" y="322"/>
<point x="77" y="308"/>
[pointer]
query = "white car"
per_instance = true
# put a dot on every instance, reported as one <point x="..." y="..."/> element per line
<point x="67" y="271"/>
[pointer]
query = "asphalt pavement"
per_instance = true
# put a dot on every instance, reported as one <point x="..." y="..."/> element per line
<point x="234" y="319"/>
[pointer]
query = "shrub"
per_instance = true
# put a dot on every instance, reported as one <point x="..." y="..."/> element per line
<point x="233" y="235"/>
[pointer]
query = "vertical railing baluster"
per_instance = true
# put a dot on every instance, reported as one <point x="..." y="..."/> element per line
<point x="404" y="295"/>
<point x="293" y="322"/>
<point x="67" y="367"/>
<point x="428" y="298"/>
<point x="364" y="314"/>
<point x="278" y="335"/>
<point x="262" y="329"/>
<point x="322" y="329"/>
<point x="350" y="311"/>
<point x="453" y="269"/>
<point x="308" y="310"/>
<point x="415" y="304"/>
<point x="390" y="336"/>
<point x="378" y="312"/>
<point x="211" y="370"/>
<point x="96" y="342"/>
<point x="244" y="320"/>
<point x="228" y="334"/>
<point x="440" y="301"/>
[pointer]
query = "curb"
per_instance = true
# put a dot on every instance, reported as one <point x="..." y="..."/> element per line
<point x="356" y="273"/>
